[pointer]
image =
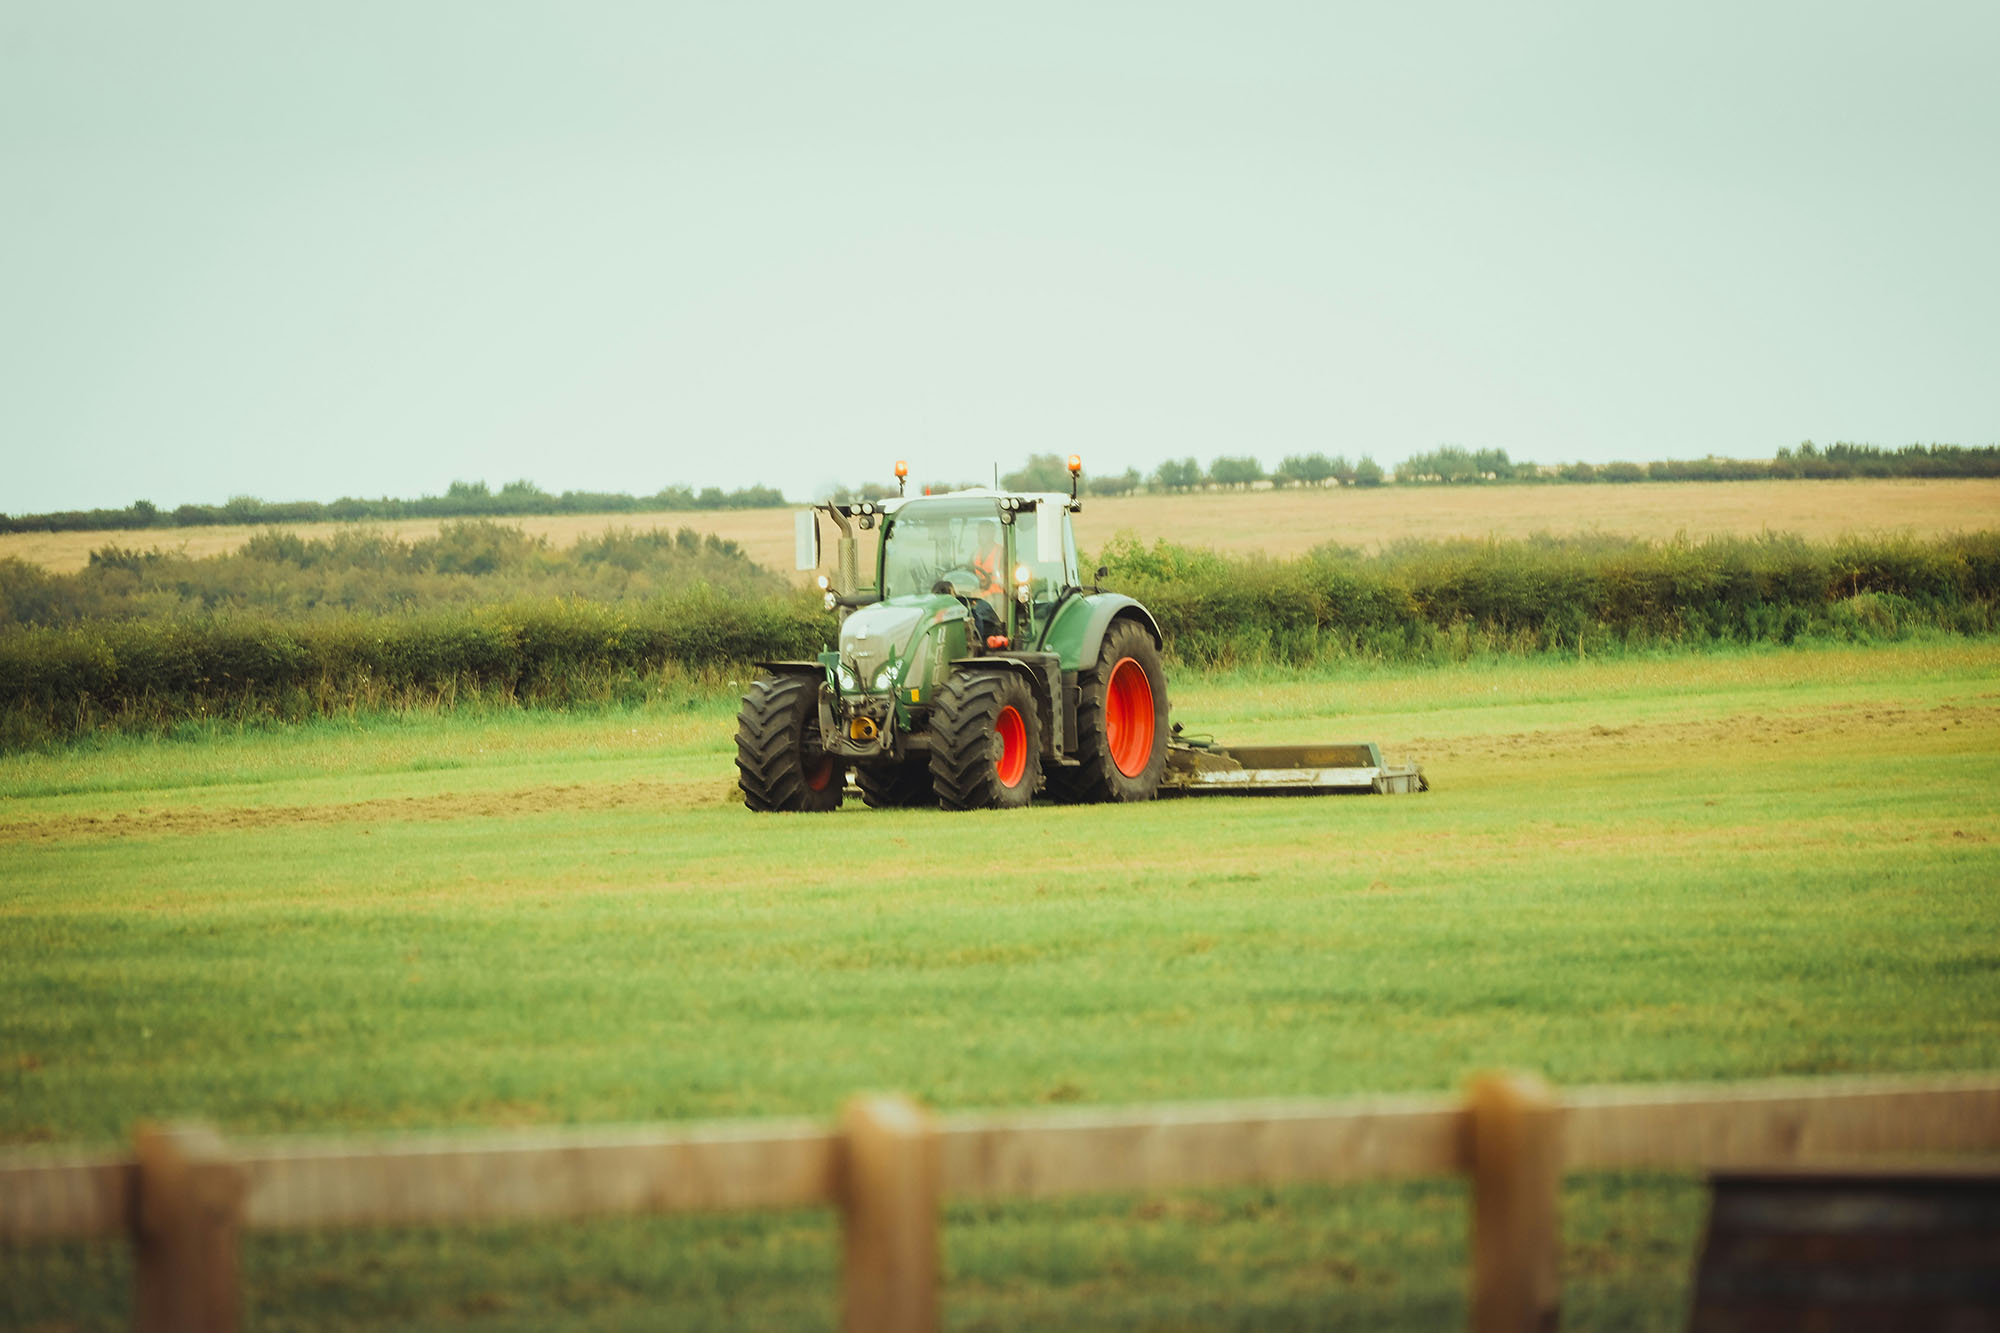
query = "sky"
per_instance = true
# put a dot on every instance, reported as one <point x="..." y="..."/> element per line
<point x="299" y="252"/>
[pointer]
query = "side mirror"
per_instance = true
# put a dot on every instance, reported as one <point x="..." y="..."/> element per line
<point x="805" y="536"/>
<point x="1102" y="570"/>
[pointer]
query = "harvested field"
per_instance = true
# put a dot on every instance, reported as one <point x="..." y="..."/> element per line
<point x="1282" y="524"/>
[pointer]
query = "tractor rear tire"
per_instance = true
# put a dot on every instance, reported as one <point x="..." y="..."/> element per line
<point x="779" y="761"/>
<point x="1121" y="722"/>
<point x="892" y="786"/>
<point x="986" y="742"/>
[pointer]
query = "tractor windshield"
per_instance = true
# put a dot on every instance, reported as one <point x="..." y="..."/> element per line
<point x="958" y="541"/>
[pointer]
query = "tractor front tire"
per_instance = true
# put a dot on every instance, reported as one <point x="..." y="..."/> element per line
<point x="986" y="742"/>
<point x="780" y="763"/>
<point x="1121" y="722"/>
<point x="891" y="786"/>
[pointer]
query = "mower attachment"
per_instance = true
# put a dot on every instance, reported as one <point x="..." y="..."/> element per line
<point x="1199" y="767"/>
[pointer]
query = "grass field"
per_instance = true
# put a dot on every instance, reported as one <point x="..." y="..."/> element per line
<point x="1283" y="524"/>
<point x="1706" y="866"/>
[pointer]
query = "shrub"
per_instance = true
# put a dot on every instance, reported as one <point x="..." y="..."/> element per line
<point x="58" y="682"/>
<point x="1240" y="471"/>
<point x="1419" y="599"/>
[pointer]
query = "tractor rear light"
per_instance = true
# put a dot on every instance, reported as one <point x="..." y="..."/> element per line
<point x="996" y="641"/>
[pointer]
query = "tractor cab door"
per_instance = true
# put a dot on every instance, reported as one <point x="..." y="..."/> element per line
<point x="1047" y="546"/>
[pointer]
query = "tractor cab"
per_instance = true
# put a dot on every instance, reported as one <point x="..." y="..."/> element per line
<point x="1007" y="558"/>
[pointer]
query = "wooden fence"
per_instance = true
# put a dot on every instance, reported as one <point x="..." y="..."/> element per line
<point x="183" y="1196"/>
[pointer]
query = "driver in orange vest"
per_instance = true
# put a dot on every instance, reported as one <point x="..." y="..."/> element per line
<point x="990" y="566"/>
<point x="989" y="563"/>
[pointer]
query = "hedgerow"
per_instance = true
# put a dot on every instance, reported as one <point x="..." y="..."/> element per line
<point x="127" y="674"/>
<point x="1415" y="602"/>
<point x="1422" y="601"/>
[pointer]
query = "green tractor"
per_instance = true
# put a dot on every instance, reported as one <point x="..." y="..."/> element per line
<point x="978" y="671"/>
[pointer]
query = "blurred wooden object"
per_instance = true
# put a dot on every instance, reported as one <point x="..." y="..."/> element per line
<point x="1844" y="1251"/>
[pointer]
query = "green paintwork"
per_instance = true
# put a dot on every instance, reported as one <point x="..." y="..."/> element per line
<point x="935" y="634"/>
<point x="1081" y="622"/>
<point x="919" y="635"/>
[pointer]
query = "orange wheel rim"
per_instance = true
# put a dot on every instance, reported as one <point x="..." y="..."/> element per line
<point x="1128" y="717"/>
<point x="819" y="771"/>
<point x="1013" y="746"/>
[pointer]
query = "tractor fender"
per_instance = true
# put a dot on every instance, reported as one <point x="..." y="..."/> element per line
<point x="1079" y="635"/>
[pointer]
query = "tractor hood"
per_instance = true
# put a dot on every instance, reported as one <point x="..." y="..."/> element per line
<point x="892" y="632"/>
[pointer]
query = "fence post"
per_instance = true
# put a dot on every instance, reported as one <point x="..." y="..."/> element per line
<point x="890" y="1199"/>
<point x="190" y="1209"/>
<point x="1516" y="1177"/>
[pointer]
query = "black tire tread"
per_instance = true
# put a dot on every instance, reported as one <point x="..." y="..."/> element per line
<point x="769" y="735"/>
<point x="961" y="768"/>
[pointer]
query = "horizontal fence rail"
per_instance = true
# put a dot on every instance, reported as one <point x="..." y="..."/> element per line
<point x="1780" y="1123"/>
<point x="183" y="1196"/>
<point x="1050" y="1154"/>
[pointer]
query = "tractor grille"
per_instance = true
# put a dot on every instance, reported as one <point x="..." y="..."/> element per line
<point x="873" y="635"/>
<point x="866" y="659"/>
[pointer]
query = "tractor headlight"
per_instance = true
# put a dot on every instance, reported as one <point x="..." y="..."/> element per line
<point x="843" y="676"/>
<point x="886" y="678"/>
<point x="831" y="601"/>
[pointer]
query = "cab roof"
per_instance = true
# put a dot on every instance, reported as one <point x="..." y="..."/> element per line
<point x="974" y="493"/>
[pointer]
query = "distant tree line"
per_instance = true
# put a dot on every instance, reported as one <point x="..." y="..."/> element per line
<point x="1050" y="472"/>
<point x="1453" y="465"/>
<point x="1446" y="465"/>
<point x="463" y="499"/>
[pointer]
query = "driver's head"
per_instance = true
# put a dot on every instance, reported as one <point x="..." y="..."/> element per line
<point x="986" y="535"/>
